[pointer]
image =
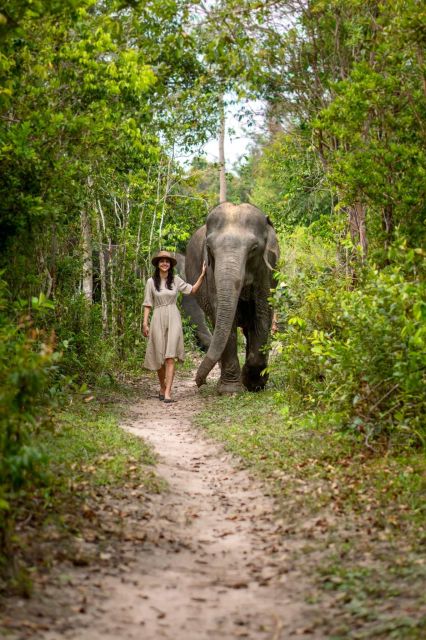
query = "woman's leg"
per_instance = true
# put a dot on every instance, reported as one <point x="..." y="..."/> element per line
<point x="170" y="374"/>
<point x="162" y="378"/>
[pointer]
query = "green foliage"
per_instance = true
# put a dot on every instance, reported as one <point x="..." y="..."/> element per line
<point x="93" y="103"/>
<point x="289" y="183"/>
<point x="85" y="351"/>
<point x="203" y="179"/>
<point x="344" y="81"/>
<point x="28" y="365"/>
<point x="358" y="351"/>
<point x="384" y="165"/>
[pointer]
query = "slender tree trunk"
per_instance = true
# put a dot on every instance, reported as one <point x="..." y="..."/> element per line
<point x="421" y="62"/>
<point x="104" y="292"/>
<point x="139" y="234"/>
<point x="222" y="172"/>
<point x="166" y="193"/>
<point x="110" y="272"/>
<point x="121" y="271"/>
<point x="49" y="283"/>
<point x="388" y="223"/>
<point x="43" y="269"/>
<point x="112" y="291"/>
<point x="52" y="270"/>
<point x="86" y="233"/>
<point x="138" y="241"/>
<point x="154" y="217"/>
<point x="357" y="226"/>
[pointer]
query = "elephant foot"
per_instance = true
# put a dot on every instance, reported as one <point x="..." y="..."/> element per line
<point x="252" y="378"/>
<point x="225" y="388"/>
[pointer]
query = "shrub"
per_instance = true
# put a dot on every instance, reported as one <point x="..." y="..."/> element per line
<point x="359" y="352"/>
<point x="88" y="355"/>
<point x="28" y="365"/>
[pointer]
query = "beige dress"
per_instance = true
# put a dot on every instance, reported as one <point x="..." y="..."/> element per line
<point x="165" y="331"/>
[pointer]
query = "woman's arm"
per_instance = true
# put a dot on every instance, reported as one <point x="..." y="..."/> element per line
<point x="197" y="284"/>
<point x="145" y="326"/>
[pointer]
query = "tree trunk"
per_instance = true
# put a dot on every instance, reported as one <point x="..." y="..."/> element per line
<point x="357" y="227"/>
<point x="136" y="267"/>
<point x="86" y="233"/>
<point x="104" y="293"/>
<point x="166" y="193"/>
<point x="222" y="172"/>
<point x="154" y="215"/>
<point x="388" y="224"/>
<point x="112" y="291"/>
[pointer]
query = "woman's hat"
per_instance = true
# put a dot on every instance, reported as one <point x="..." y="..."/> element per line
<point x="164" y="254"/>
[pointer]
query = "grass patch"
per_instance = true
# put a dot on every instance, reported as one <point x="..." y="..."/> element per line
<point x="92" y="469"/>
<point x="362" y="510"/>
<point x="89" y="444"/>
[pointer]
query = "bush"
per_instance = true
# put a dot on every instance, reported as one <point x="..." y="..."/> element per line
<point x="28" y="366"/>
<point x="357" y="352"/>
<point x="87" y="353"/>
<point x="309" y="268"/>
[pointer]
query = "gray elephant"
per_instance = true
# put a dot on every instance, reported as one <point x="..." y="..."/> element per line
<point x="240" y="247"/>
<point x="193" y="311"/>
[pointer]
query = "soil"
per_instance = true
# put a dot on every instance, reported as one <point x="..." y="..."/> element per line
<point x="205" y="559"/>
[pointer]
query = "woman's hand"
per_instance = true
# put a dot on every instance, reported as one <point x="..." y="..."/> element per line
<point x="145" y="329"/>
<point x="197" y="284"/>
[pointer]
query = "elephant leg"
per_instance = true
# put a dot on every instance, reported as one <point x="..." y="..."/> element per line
<point x="256" y="361"/>
<point x="230" y="376"/>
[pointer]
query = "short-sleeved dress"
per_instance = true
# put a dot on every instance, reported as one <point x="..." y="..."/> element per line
<point x="165" y="333"/>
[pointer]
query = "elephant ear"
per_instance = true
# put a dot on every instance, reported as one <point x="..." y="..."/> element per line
<point x="272" y="250"/>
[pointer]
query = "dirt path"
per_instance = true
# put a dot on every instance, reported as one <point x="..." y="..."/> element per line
<point x="215" y="564"/>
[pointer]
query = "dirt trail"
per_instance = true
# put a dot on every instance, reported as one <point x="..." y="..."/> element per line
<point x="215" y="563"/>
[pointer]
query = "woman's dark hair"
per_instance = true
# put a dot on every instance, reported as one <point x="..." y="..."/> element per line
<point x="157" y="278"/>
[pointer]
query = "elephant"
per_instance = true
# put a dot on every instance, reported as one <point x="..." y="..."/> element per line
<point x="240" y="247"/>
<point x="192" y="310"/>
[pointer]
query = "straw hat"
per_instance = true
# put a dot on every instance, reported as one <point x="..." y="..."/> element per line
<point x="164" y="254"/>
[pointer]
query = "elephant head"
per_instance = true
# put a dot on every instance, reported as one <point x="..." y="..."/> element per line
<point x="241" y="250"/>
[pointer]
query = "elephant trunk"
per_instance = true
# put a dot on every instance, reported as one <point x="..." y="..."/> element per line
<point x="229" y="281"/>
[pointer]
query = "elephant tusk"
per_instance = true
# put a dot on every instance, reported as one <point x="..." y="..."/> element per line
<point x="268" y="265"/>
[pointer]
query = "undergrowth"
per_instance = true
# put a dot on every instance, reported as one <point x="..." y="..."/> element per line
<point x="354" y="343"/>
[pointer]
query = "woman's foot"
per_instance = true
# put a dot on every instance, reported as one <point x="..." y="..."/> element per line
<point x="161" y="396"/>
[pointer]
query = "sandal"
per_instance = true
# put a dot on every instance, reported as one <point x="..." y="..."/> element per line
<point x="168" y="401"/>
<point x="161" y="396"/>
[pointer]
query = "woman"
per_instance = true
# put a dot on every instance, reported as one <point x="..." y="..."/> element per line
<point x="165" y="337"/>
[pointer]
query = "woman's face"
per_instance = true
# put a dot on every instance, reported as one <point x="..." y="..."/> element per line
<point x="164" y="265"/>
